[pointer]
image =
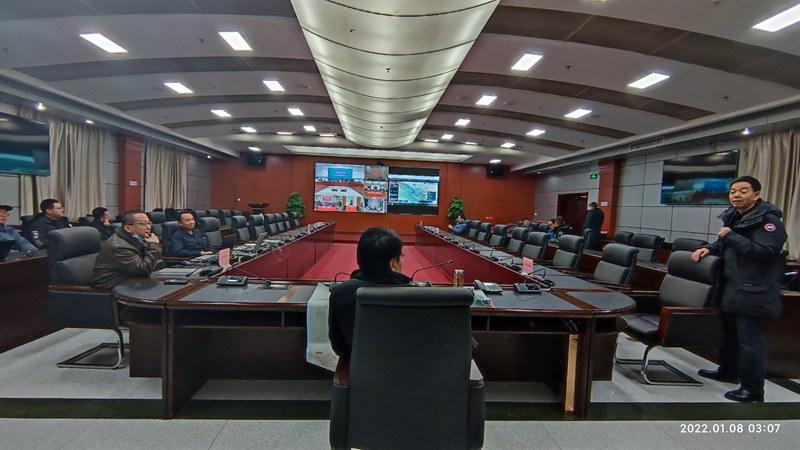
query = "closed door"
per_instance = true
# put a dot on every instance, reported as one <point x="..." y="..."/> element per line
<point x="572" y="207"/>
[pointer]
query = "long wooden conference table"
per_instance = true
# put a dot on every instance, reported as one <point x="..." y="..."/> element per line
<point x="199" y="331"/>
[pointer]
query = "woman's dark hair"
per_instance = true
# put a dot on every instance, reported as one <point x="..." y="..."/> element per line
<point x="376" y="248"/>
<point x="98" y="212"/>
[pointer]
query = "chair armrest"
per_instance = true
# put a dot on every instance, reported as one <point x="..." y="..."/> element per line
<point x="677" y="326"/>
<point x="477" y="409"/>
<point x="77" y="289"/>
<point x="475" y="375"/>
<point x="341" y="377"/>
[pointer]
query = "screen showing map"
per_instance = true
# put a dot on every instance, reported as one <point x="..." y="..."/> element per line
<point x="413" y="190"/>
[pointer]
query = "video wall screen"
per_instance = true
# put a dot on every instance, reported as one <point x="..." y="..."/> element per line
<point x="350" y="188"/>
<point x="699" y="180"/>
<point x="24" y="146"/>
<point x="413" y="191"/>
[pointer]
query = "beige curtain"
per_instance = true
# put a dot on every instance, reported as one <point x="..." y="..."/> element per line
<point x="77" y="176"/>
<point x="775" y="160"/>
<point x="165" y="175"/>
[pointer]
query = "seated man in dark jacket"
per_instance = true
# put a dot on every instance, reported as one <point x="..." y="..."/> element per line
<point x="9" y="234"/>
<point x="133" y="251"/>
<point x="460" y="227"/>
<point x="50" y="218"/>
<point x="102" y="222"/>
<point x="379" y="254"/>
<point x="188" y="240"/>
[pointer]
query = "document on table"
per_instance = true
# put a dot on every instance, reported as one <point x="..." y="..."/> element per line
<point x="318" y="346"/>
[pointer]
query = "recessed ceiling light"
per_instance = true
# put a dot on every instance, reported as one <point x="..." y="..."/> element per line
<point x="220" y="113"/>
<point x="255" y="149"/>
<point x="208" y="156"/>
<point x="462" y="122"/>
<point x="285" y="133"/>
<point x="508" y="145"/>
<point x="578" y="113"/>
<point x="103" y="42"/>
<point x="471" y="143"/>
<point x="780" y="21"/>
<point x="178" y="87"/>
<point x="535" y="132"/>
<point x="274" y="86"/>
<point x="3" y="119"/>
<point x="486" y="100"/>
<point x="431" y="140"/>
<point x="310" y="128"/>
<point x="295" y="111"/>
<point x="648" y="80"/>
<point x="526" y="62"/>
<point x="40" y="106"/>
<point x="447" y="137"/>
<point x="746" y="132"/>
<point x="248" y="129"/>
<point x="235" y="40"/>
<point x="89" y="122"/>
<point x="495" y="161"/>
<point x="327" y="134"/>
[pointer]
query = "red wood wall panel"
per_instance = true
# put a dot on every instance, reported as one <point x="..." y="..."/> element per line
<point x="504" y="199"/>
<point x="609" y="172"/>
<point x="131" y="152"/>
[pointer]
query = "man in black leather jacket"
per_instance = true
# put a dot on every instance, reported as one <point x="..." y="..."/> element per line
<point x="750" y="242"/>
<point x="380" y="262"/>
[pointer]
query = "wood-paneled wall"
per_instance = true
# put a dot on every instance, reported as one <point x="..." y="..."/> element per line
<point x="498" y="200"/>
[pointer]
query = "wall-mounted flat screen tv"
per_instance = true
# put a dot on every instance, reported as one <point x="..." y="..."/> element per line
<point x="350" y="188"/>
<point x="699" y="180"/>
<point x="413" y="191"/>
<point x="24" y="146"/>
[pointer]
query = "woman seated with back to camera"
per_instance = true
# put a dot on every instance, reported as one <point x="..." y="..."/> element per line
<point x="379" y="255"/>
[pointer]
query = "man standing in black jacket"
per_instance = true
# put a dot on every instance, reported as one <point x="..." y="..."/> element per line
<point x="594" y="222"/>
<point x="750" y="242"/>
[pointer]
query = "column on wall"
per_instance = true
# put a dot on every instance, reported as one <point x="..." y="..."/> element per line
<point x="609" y="170"/>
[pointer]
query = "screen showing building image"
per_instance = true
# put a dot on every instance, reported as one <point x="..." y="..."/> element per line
<point x="413" y="190"/>
<point x="349" y="188"/>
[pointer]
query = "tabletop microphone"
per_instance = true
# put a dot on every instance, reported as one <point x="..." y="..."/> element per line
<point x="336" y="277"/>
<point x="449" y="261"/>
<point x="266" y="283"/>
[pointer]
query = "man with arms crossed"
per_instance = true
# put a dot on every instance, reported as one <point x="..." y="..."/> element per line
<point x="750" y="242"/>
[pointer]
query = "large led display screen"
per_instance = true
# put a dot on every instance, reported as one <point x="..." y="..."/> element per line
<point x="413" y="191"/>
<point x="350" y="188"/>
<point x="699" y="180"/>
<point x="24" y="146"/>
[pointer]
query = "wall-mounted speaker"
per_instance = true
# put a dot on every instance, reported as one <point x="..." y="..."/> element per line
<point x="495" y="170"/>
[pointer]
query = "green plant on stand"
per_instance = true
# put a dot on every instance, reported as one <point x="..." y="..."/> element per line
<point x="295" y="204"/>
<point x="455" y="209"/>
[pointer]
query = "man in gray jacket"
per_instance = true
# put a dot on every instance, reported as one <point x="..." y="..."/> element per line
<point x="750" y="242"/>
<point x="133" y="251"/>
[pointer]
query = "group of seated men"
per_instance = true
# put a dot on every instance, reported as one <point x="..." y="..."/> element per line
<point x="556" y="227"/>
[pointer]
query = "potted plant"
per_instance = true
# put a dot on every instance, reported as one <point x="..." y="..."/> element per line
<point x="455" y="209"/>
<point x="295" y="204"/>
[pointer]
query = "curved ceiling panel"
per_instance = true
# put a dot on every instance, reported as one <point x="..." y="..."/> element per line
<point x="392" y="52"/>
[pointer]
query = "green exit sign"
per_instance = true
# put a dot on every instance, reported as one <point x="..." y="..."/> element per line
<point x="593" y="176"/>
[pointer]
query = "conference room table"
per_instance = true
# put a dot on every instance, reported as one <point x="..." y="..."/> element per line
<point x="201" y="331"/>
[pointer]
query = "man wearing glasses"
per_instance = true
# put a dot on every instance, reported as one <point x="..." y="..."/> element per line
<point x="133" y="251"/>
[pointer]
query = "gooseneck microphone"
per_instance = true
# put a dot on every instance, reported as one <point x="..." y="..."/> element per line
<point x="265" y="282"/>
<point x="335" y="277"/>
<point x="449" y="261"/>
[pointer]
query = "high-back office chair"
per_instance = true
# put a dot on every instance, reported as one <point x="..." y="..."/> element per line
<point x="535" y="245"/>
<point x="589" y="239"/>
<point x="623" y="237"/>
<point x="156" y="219"/>
<point x="541" y="227"/>
<point x="499" y="235"/>
<point x="199" y="213"/>
<point x="225" y="216"/>
<point x="286" y="222"/>
<point x="239" y="226"/>
<point x="409" y="389"/>
<point x="570" y="250"/>
<point x="472" y="232"/>
<point x="294" y="219"/>
<point x="617" y="263"/>
<point x="686" y="297"/>
<point x="280" y="223"/>
<point x="256" y="224"/>
<point x="168" y="229"/>
<point x="484" y="232"/>
<point x="213" y="213"/>
<point x="85" y="220"/>
<point x="210" y="226"/>
<point x="71" y="303"/>
<point x="687" y="244"/>
<point x="648" y="245"/>
<point x="272" y="223"/>
<point x="171" y="214"/>
<point x="517" y="241"/>
<point x="237" y="212"/>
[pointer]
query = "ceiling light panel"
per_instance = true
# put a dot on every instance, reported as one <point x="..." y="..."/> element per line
<point x="274" y="86"/>
<point x="376" y="154"/>
<point x="447" y="137"/>
<point x="648" y="80"/>
<point x="508" y="145"/>
<point x="578" y="113"/>
<point x="236" y="41"/>
<point x="103" y="42"/>
<point x="393" y="59"/>
<point x="535" y="132"/>
<point x="248" y="129"/>
<point x="310" y="128"/>
<point x="178" y="87"/>
<point x="462" y="122"/>
<point x="295" y="111"/>
<point x="254" y="149"/>
<point x="221" y="113"/>
<point x="495" y="161"/>
<point x="285" y="133"/>
<point x="780" y="21"/>
<point x="525" y="63"/>
<point x="486" y="100"/>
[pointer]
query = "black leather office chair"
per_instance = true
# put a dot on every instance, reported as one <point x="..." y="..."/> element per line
<point x="210" y="226"/>
<point x="687" y="317"/>
<point x="499" y="236"/>
<point x="212" y="213"/>
<point x="517" y="241"/>
<point x="285" y="220"/>
<point x="280" y="223"/>
<point x="589" y="239"/>
<point x="484" y="232"/>
<point x="171" y="214"/>
<point x="239" y="226"/>
<point x="570" y="250"/>
<point x="236" y="212"/>
<point x="474" y="225"/>
<point x="168" y="229"/>
<point x="541" y="227"/>
<point x="272" y="223"/>
<point x="409" y="382"/>
<point x="157" y="218"/>
<point x="225" y="216"/>
<point x="535" y="245"/>
<point x="648" y="245"/>
<point x="617" y="263"/>
<point x="623" y="237"/>
<point x="687" y="244"/>
<point x="294" y="219"/>
<point x="85" y="221"/>
<point x="256" y="224"/>
<point x="199" y="213"/>
<point x="72" y="303"/>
